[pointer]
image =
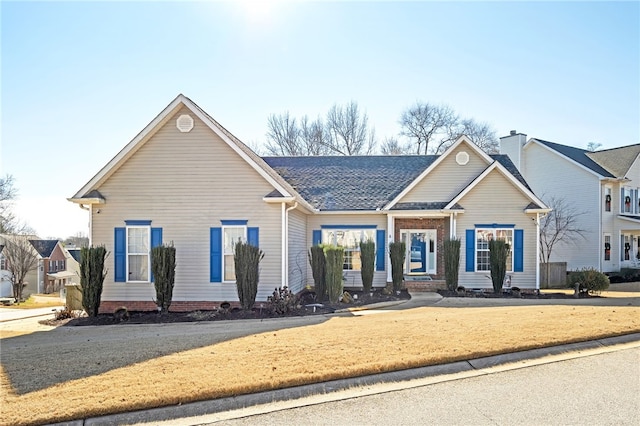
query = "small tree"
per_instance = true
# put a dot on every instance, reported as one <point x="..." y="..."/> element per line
<point x="247" y="260"/>
<point x="334" y="263"/>
<point x="498" y="253"/>
<point x="163" y="267"/>
<point x="368" y="259"/>
<point x="397" y="253"/>
<point x="451" y="262"/>
<point x="318" y="269"/>
<point x="21" y="259"/>
<point x="92" y="275"/>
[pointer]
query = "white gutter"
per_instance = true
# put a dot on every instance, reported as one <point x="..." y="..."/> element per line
<point x="285" y="243"/>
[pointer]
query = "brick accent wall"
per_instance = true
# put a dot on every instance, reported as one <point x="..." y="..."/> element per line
<point x="425" y="286"/>
<point x="108" y="307"/>
<point x="441" y="225"/>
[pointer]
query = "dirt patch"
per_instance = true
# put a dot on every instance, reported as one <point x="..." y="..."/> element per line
<point x="307" y="306"/>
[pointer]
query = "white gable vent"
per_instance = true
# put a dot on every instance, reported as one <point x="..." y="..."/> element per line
<point x="184" y="123"/>
<point x="462" y="158"/>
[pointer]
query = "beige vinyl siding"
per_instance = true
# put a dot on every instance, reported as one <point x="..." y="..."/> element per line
<point x="447" y="179"/>
<point x="496" y="200"/>
<point x="297" y="251"/>
<point x="354" y="279"/>
<point x="187" y="183"/>
<point x="551" y="175"/>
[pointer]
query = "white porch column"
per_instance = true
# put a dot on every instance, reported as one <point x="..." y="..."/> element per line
<point x="538" y="251"/>
<point x="283" y="272"/>
<point x="390" y="235"/>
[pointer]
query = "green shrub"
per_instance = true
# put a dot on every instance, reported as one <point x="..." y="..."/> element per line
<point x="588" y="280"/>
<point x="397" y="252"/>
<point x="163" y="267"/>
<point x="334" y="263"/>
<point x="283" y="301"/>
<point x="368" y="259"/>
<point x="498" y="253"/>
<point x="318" y="268"/>
<point x="247" y="260"/>
<point x="451" y="250"/>
<point x="92" y="275"/>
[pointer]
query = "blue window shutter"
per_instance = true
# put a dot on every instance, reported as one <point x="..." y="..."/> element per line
<point x="470" y="250"/>
<point x="380" y="247"/>
<point x="156" y="240"/>
<point x="317" y="236"/>
<point x="518" y="250"/>
<point x="253" y="237"/>
<point x="120" y="267"/>
<point x="215" y="255"/>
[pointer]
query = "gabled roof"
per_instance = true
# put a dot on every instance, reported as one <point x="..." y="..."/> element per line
<point x="75" y="253"/>
<point x="44" y="247"/>
<point x="617" y="161"/>
<point x="87" y="193"/>
<point x="356" y="183"/>
<point x="577" y="155"/>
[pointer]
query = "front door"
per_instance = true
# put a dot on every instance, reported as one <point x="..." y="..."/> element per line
<point x="420" y="256"/>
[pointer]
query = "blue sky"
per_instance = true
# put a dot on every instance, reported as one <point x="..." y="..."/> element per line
<point x="80" y="79"/>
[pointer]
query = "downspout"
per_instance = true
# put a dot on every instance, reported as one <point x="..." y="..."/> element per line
<point x="90" y="210"/>
<point x="286" y="242"/>
<point x="538" y="252"/>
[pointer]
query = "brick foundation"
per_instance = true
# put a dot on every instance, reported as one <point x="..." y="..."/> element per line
<point x="108" y="307"/>
<point x="425" y="286"/>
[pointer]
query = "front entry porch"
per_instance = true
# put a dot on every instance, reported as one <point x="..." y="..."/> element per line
<point x="423" y="237"/>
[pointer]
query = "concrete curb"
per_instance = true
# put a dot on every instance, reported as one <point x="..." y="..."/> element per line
<point x="210" y="407"/>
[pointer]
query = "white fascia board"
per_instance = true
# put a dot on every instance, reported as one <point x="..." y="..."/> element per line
<point x="347" y="212"/>
<point x="278" y="200"/>
<point x="496" y="165"/>
<point x="422" y="213"/>
<point x="533" y="140"/>
<point x="131" y="147"/>
<point x="627" y="218"/>
<point x="87" y="200"/>
<point x="440" y="159"/>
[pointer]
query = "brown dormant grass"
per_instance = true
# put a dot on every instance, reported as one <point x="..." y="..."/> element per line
<point x="338" y="348"/>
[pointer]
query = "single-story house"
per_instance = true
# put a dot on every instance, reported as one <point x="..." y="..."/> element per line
<point x="185" y="179"/>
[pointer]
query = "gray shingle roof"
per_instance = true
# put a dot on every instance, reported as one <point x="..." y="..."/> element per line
<point x="578" y="155"/>
<point x="617" y="161"/>
<point x="360" y="182"/>
<point x="44" y="247"/>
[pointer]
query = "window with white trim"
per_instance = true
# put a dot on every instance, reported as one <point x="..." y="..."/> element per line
<point x="138" y="253"/>
<point x="349" y="239"/>
<point x="483" y="236"/>
<point x="3" y="263"/>
<point x="607" y="199"/>
<point x="231" y="235"/>
<point x="607" y="246"/>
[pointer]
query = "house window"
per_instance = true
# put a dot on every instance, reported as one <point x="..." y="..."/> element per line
<point x="3" y="263"/>
<point x="483" y="236"/>
<point x="349" y="239"/>
<point x="625" y="247"/>
<point x="138" y="259"/>
<point x="626" y="203"/>
<point x="607" y="247"/>
<point x="51" y="265"/>
<point x="607" y="199"/>
<point x="231" y="236"/>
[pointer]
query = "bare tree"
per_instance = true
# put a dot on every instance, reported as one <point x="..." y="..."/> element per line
<point x="348" y="130"/>
<point x="593" y="146"/>
<point x="9" y="222"/>
<point x="80" y="239"/>
<point x="559" y="226"/>
<point x="428" y="126"/>
<point x="481" y="134"/>
<point x="313" y="137"/>
<point x="391" y="146"/>
<point x="283" y="136"/>
<point x="21" y="259"/>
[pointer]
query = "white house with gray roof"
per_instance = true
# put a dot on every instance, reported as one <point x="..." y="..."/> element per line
<point x="187" y="180"/>
<point x="601" y="187"/>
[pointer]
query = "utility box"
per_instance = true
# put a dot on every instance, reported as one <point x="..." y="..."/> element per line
<point x="74" y="297"/>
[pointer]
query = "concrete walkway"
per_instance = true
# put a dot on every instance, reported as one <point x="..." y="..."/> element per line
<point x="7" y="314"/>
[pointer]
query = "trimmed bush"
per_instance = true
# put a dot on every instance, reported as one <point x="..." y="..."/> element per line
<point x="368" y="259"/>
<point x="247" y="260"/>
<point x="318" y="268"/>
<point x="588" y="280"/>
<point x="397" y="253"/>
<point x="451" y="262"/>
<point x="334" y="263"/>
<point x="498" y="253"/>
<point x="163" y="267"/>
<point x="92" y="275"/>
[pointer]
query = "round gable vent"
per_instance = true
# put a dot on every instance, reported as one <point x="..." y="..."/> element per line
<point x="184" y="123"/>
<point x="462" y="158"/>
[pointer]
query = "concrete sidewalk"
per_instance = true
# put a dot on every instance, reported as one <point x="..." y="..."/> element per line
<point x="7" y="314"/>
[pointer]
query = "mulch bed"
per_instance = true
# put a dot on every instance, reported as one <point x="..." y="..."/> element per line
<point x="489" y="294"/>
<point x="308" y="306"/>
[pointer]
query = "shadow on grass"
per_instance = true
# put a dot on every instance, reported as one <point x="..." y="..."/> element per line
<point x="43" y="359"/>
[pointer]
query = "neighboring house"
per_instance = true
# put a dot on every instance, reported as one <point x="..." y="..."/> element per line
<point x="6" y="288"/>
<point x="53" y="272"/>
<point x="73" y="264"/>
<point x="185" y="179"/>
<point x="601" y="186"/>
